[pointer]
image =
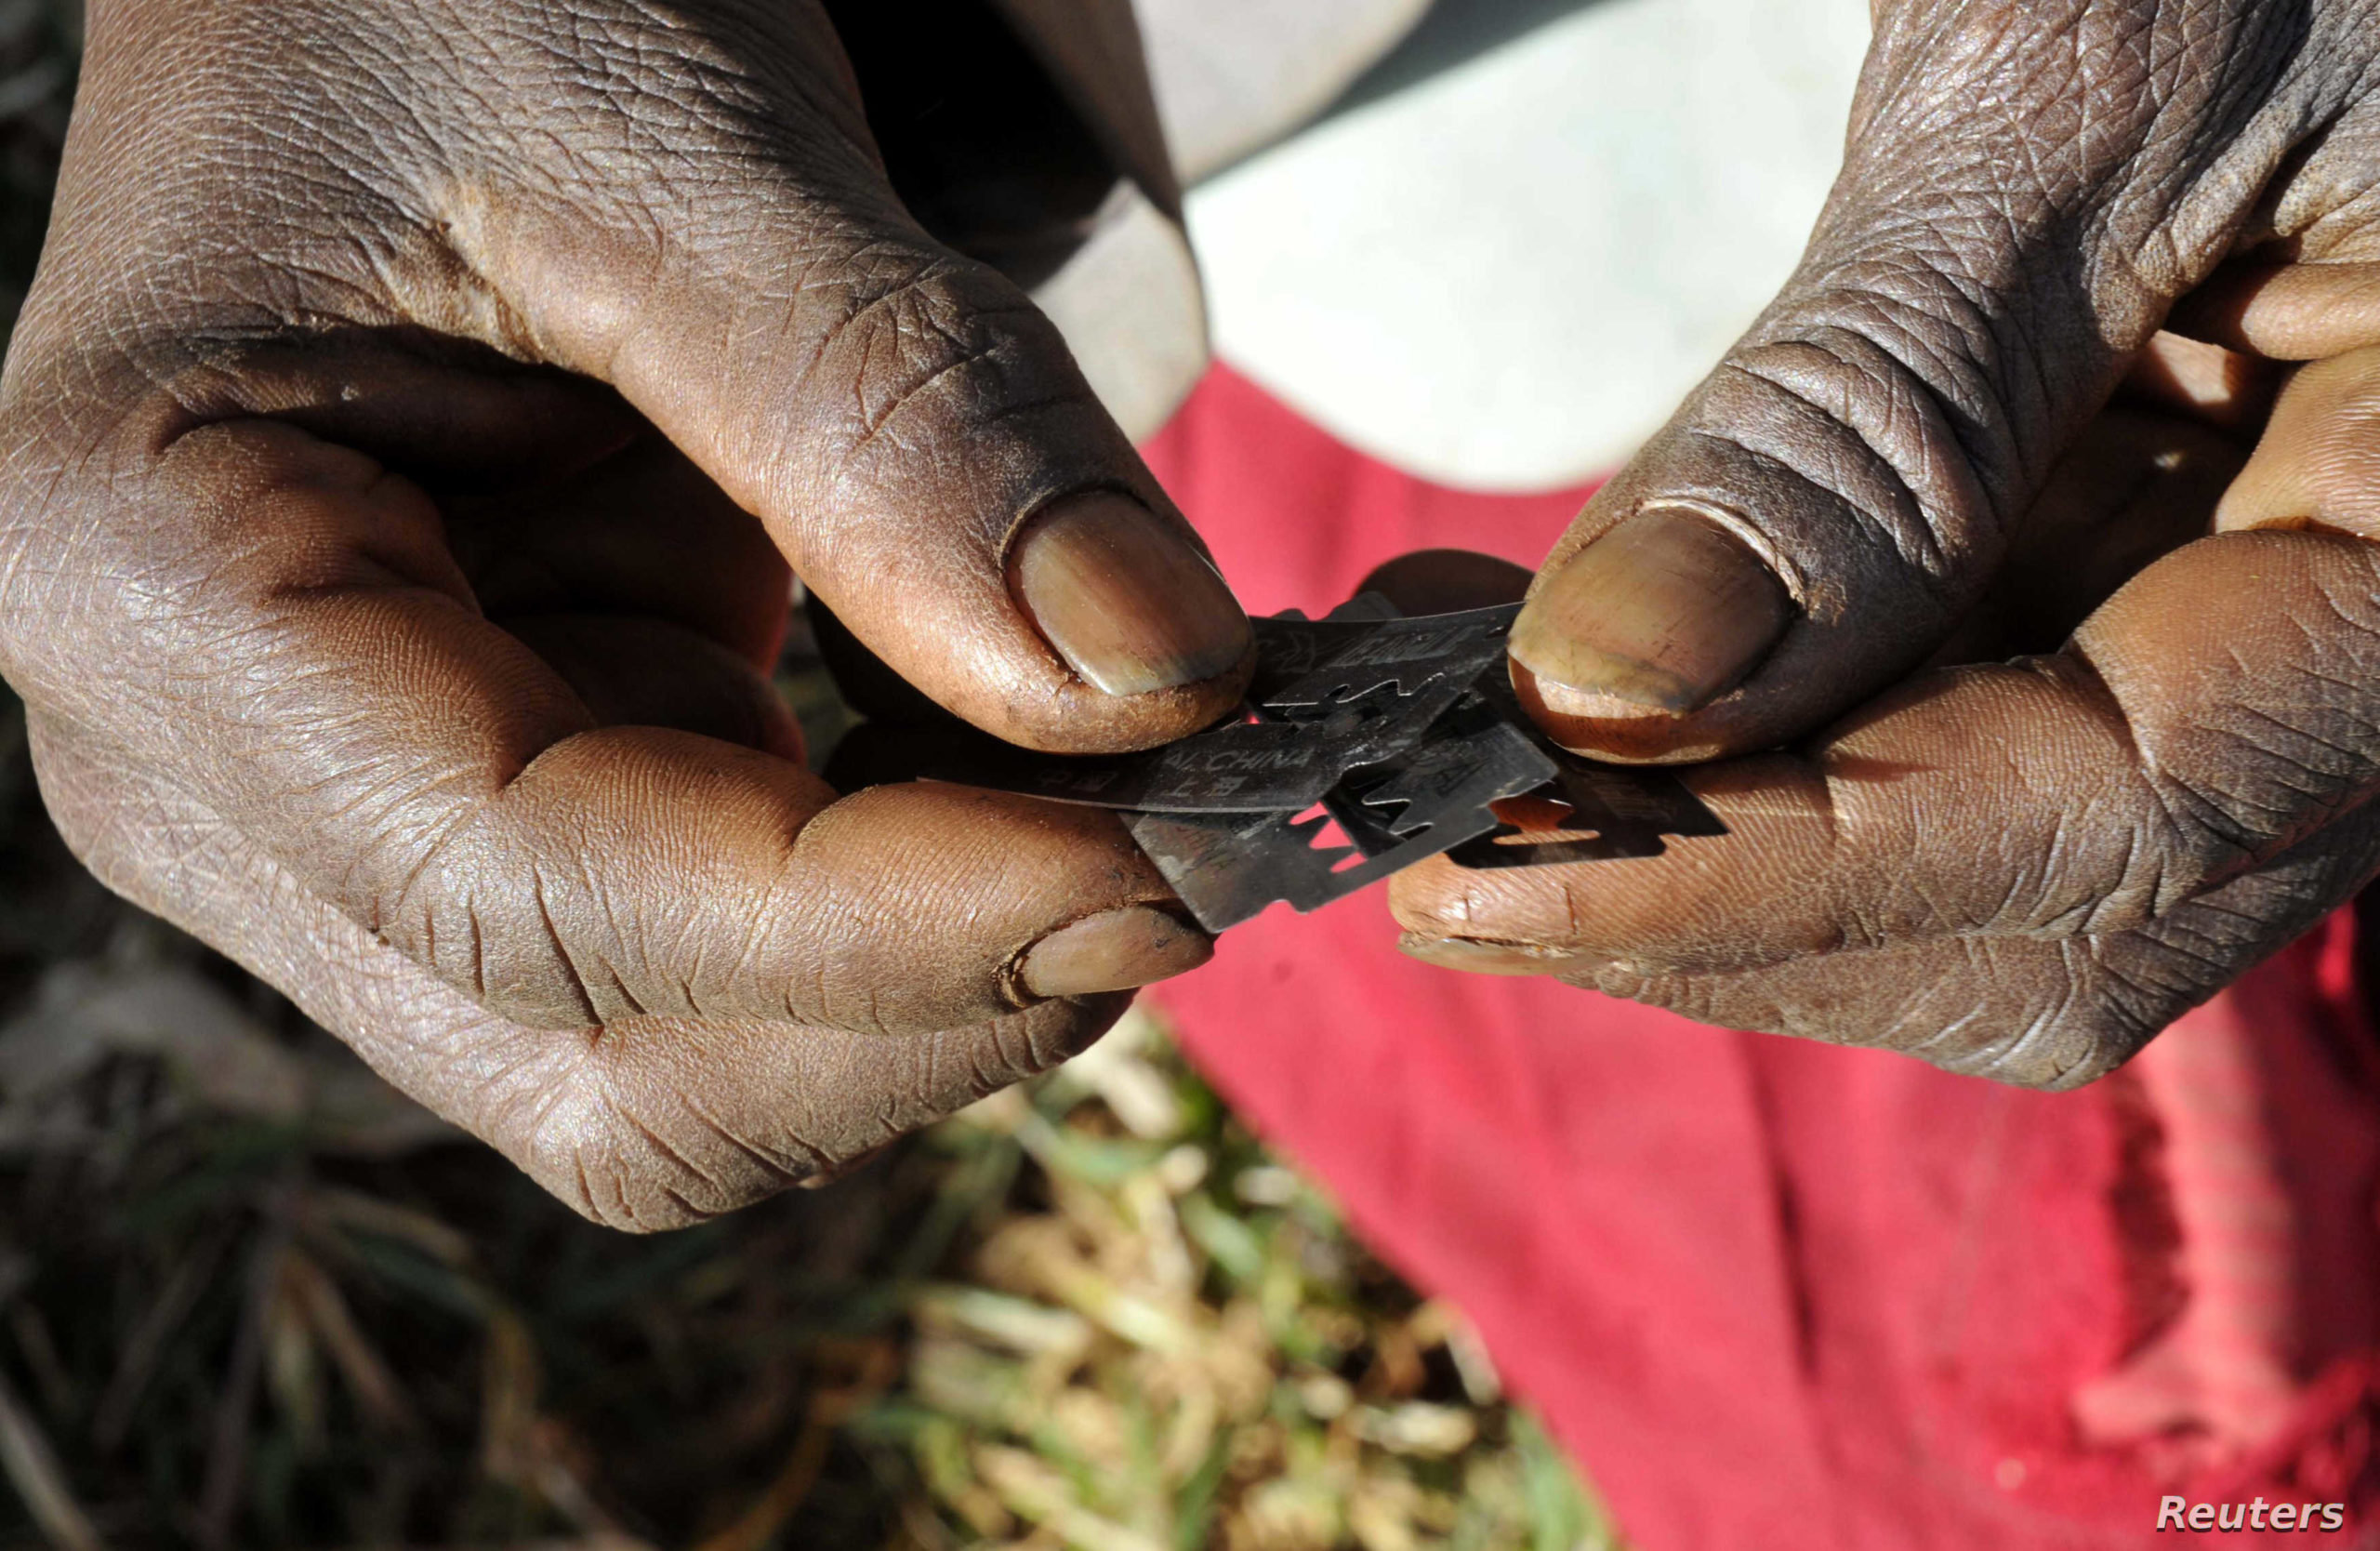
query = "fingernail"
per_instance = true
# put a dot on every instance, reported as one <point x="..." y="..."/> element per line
<point x="1661" y="614"/>
<point x="1117" y="951"/>
<point x="1484" y="958"/>
<point x="1124" y="598"/>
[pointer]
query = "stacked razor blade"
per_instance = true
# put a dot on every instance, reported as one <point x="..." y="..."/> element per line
<point x="1370" y="741"/>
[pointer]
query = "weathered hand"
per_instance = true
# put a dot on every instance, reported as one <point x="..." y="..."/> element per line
<point x="2023" y="869"/>
<point x="401" y="458"/>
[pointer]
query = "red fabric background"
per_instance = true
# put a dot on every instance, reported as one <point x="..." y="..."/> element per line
<point x="1774" y="1295"/>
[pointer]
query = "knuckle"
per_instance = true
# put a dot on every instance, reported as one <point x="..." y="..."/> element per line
<point x="2107" y="863"/>
<point x="1857" y="397"/>
<point x="616" y="1137"/>
<point x="647" y="1126"/>
<point x="2113" y="992"/>
<point x="2070" y="1032"/>
<point x="924" y="345"/>
<point x="2014" y="1011"/>
<point x="2056" y="1016"/>
<point x="2216" y="816"/>
<point x="513" y="944"/>
<point x="2250" y="783"/>
<point x="947" y="1072"/>
<point x="2023" y="1012"/>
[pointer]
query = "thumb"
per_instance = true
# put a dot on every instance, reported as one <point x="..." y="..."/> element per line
<point x="2023" y="198"/>
<point x="912" y="429"/>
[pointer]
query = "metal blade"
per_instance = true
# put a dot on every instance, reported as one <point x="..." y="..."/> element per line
<point x="1404" y="732"/>
<point x="1430" y="799"/>
<point x="1328" y="695"/>
<point x="1628" y="810"/>
<point x="1305" y="666"/>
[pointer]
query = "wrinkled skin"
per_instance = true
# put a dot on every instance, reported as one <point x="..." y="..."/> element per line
<point x="406" y="454"/>
<point x="2023" y="868"/>
<point x="404" y="447"/>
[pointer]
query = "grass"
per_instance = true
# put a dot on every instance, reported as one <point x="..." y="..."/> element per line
<point x="250" y="1297"/>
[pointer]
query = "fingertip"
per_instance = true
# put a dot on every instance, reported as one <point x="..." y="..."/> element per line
<point x="1447" y="581"/>
<point x="2315" y="466"/>
<point x="2284" y="310"/>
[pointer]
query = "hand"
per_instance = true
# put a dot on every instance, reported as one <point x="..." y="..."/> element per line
<point x="401" y="454"/>
<point x="2022" y="869"/>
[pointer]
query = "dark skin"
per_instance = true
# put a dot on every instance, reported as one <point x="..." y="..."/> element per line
<point x="2024" y="869"/>
<point x="425" y="403"/>
<point x="406" y="453"/>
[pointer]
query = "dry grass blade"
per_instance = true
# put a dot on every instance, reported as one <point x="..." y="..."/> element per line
<point x="829" y="1409"/>
<point x="327" y="1207"/>
<point x="228" y="1438"/>
<point x="34" y="1470"/>
<point x="377" y="1393"/>
<point x="1184" y="1349"/>
<point x="509" y="1401"/>
<point x="1032" y="1489"/>
<point x="137" y="1362"/>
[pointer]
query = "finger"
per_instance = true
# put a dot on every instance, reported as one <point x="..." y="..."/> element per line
<point x="2286" y="312"/>
<point x="1447" y="581"/>
<point x="1427" y="581"/>
<point x="2225" y="389"/>
<point x="913" y="431"/>
<point x="649" y="1123"/>
<point x="2316" y="463"/>
<point x="1834" y="499"/>
<point x="430" y="775"/>
<point x="2210" y="716"/>
<point x="2039" y="1013"/>
<point x="905" y="730"/>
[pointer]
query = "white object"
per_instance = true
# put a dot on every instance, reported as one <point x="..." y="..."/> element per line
<point x="1506" y="277"/>
<point x="1232" y="76"/>
<point x="1127" y="304"/>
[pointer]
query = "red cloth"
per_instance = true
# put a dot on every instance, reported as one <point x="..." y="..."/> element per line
<point x="1774" y="1295"/>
